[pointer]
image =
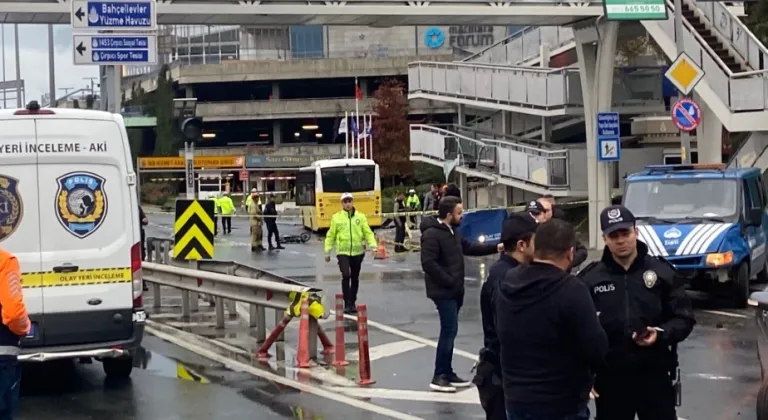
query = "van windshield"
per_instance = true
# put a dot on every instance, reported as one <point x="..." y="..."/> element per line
<point x="682" y="198"/>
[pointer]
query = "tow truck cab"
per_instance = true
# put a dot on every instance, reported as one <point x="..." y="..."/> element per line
<point x="709" y="221"/>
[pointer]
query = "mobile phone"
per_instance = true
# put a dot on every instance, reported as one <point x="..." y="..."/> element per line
<point x="642" y="334"/>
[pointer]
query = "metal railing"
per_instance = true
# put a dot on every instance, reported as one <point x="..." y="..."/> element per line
<point x="741" y="39"/>
<point x="226" y="283"/>
<point x="484" y="135"/>
<point x="524" y="46"/>
<point x="531" y="87"/>
<point x="740" y="92"/>
<point x="533" y="165"/>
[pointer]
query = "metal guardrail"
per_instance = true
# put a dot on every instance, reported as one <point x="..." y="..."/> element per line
<point x="524" y="45"/>
<point x="226" y="283"/>
<point x="538" y="166"/>
<point x="530" y="87"/>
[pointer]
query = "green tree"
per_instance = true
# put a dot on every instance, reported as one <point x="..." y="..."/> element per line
<point x="161" y="107"/>
<point x="757" y="19"/>
<point x="391" y="134"/>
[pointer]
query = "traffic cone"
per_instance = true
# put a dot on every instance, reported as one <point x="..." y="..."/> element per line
<point x="381" y="252"/>
<point x="302" y="353"/>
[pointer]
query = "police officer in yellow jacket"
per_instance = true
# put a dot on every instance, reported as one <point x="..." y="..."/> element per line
<point x="350" y="235"/>
<point x="644" y="310"/>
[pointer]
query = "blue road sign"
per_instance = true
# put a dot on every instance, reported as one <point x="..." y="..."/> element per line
<point x="114" y="15"/>
<point x="608" y="136"/>
<point x="115" y="50"/>
<point x="686" y="114"/>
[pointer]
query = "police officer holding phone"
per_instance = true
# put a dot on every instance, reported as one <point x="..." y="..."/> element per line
<point x="642" y="305"/>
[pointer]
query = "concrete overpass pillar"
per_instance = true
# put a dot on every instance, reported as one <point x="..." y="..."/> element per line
<point x="275" y="90"/>
<point x="189" y="92"/>
<point x="461" y="113"/>
<point x="277" y="132"/>
<point x="363" y="83"/>
<point x="506" y="122"/>
<point x="462" y="185"/>
<point x="546" y="122"/>
<point x="709" y="135"/>
<point x="596" y="57"/>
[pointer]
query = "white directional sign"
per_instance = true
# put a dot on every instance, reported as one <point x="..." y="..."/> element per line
<point x="115" y="50"/>
<point x="114" y="15"/>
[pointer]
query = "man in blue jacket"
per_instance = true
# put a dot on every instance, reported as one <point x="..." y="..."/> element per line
<point x="517" y="235"/>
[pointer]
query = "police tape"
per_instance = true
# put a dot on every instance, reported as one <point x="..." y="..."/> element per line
<point x="383" y="215"/>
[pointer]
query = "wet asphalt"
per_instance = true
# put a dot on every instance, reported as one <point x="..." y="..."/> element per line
<point x="721" y="373"/>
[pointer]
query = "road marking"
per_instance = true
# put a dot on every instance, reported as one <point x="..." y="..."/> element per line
<point x="409" y="336"/>
<point x="468" y="396"/>
<point x="730" y="314"/>
<point x="242" y="367"/>
<point x="387" y="350"/>
<point x="710" y="376"/>
<point x="379" y="265"/>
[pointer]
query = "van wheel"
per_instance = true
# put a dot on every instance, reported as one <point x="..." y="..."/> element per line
<point x="119" y="368"/>
<point x="740" y="285"/>
<point x="762" y="402"/>
<point x="762" y="276"/>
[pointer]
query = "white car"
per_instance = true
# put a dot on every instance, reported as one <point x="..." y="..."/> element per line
<point x="69" y="213"/>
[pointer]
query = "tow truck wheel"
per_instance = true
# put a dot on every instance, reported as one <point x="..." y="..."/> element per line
<point x="762" y="402"/>
<point x="118" y="368"/>
<point x="740" y="285"/>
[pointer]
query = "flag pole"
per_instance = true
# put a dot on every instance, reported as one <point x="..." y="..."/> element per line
<point x="357" y="117"/>
<point x="346" y="133"/>
<point x="370" y="135"/>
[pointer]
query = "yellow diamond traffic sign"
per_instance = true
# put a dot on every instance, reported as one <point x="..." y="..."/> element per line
<point x="684" y="73"/>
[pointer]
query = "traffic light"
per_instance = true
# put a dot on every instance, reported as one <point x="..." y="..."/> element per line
<point x="192" y="129"/>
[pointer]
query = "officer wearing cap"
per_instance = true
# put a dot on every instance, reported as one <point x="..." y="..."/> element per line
<point x="643" y="307"/>
<point x="543" y="211"/>
<point x="517" y="234"/>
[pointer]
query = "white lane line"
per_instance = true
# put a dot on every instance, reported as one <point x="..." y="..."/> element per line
<point x="469" y="396"/>
<point x="730" y="314"/>
<point x="388" y="350"/>
<point x="379" y="265"/>
<point x="409" y="336"/>
<point x="314" y="390"/>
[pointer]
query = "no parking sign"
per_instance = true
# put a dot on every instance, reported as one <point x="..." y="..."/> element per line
<point x="686" y="114"/>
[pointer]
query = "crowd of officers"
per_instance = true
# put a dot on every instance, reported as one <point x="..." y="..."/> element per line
<point x="225" y="208"/>
<point x="554" y="340"/>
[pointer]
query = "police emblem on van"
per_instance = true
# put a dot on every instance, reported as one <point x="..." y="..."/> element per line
<point x="11" y="206"/>
<point x="673" y="233"/>
<point x="81" y="203"/>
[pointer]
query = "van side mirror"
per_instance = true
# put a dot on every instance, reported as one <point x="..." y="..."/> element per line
<point x="759" y="300"/>
<point x="755" y="217"/>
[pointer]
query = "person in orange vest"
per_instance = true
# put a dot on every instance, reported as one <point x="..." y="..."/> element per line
<point x="15" y="326"/>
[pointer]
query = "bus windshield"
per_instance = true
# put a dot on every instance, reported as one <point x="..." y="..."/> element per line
<point x="688" y="198"/>
<point x="348" y="179"/>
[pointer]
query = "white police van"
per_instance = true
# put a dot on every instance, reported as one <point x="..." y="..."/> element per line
<point x="69" y="212"/>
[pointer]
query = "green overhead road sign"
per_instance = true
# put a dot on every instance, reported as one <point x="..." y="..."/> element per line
<point x="635" y="9"/>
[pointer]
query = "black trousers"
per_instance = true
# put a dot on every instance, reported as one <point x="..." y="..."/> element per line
<point x="143" y="245"/>
<point x="350" y="276"/>
<point x="488" y="381"/>
<point x="400" y="237"/>
<point x="272" y="231"/>
<point x="215" y="225"/>
<point x="649" y="395"/>
<point x="226" y="224"/>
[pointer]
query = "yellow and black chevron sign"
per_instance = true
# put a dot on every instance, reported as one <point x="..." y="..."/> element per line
<point x="193" y="230"/>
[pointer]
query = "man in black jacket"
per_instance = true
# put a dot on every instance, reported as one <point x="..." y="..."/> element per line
<point x="442" y="259"/>
<point x="551" y="339"/>
<point x="517" y="235"/>
<point x="270" y="211"/>
<point x="646" y="313"/>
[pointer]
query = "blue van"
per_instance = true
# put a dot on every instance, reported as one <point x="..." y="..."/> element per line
<point x="707" y="220"/>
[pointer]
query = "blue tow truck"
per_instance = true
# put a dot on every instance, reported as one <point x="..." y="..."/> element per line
<point x="707" y="220"/>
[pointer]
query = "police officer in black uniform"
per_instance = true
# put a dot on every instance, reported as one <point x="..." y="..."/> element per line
<point x="643" y="307"/>
<point x="517" y="234"/>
